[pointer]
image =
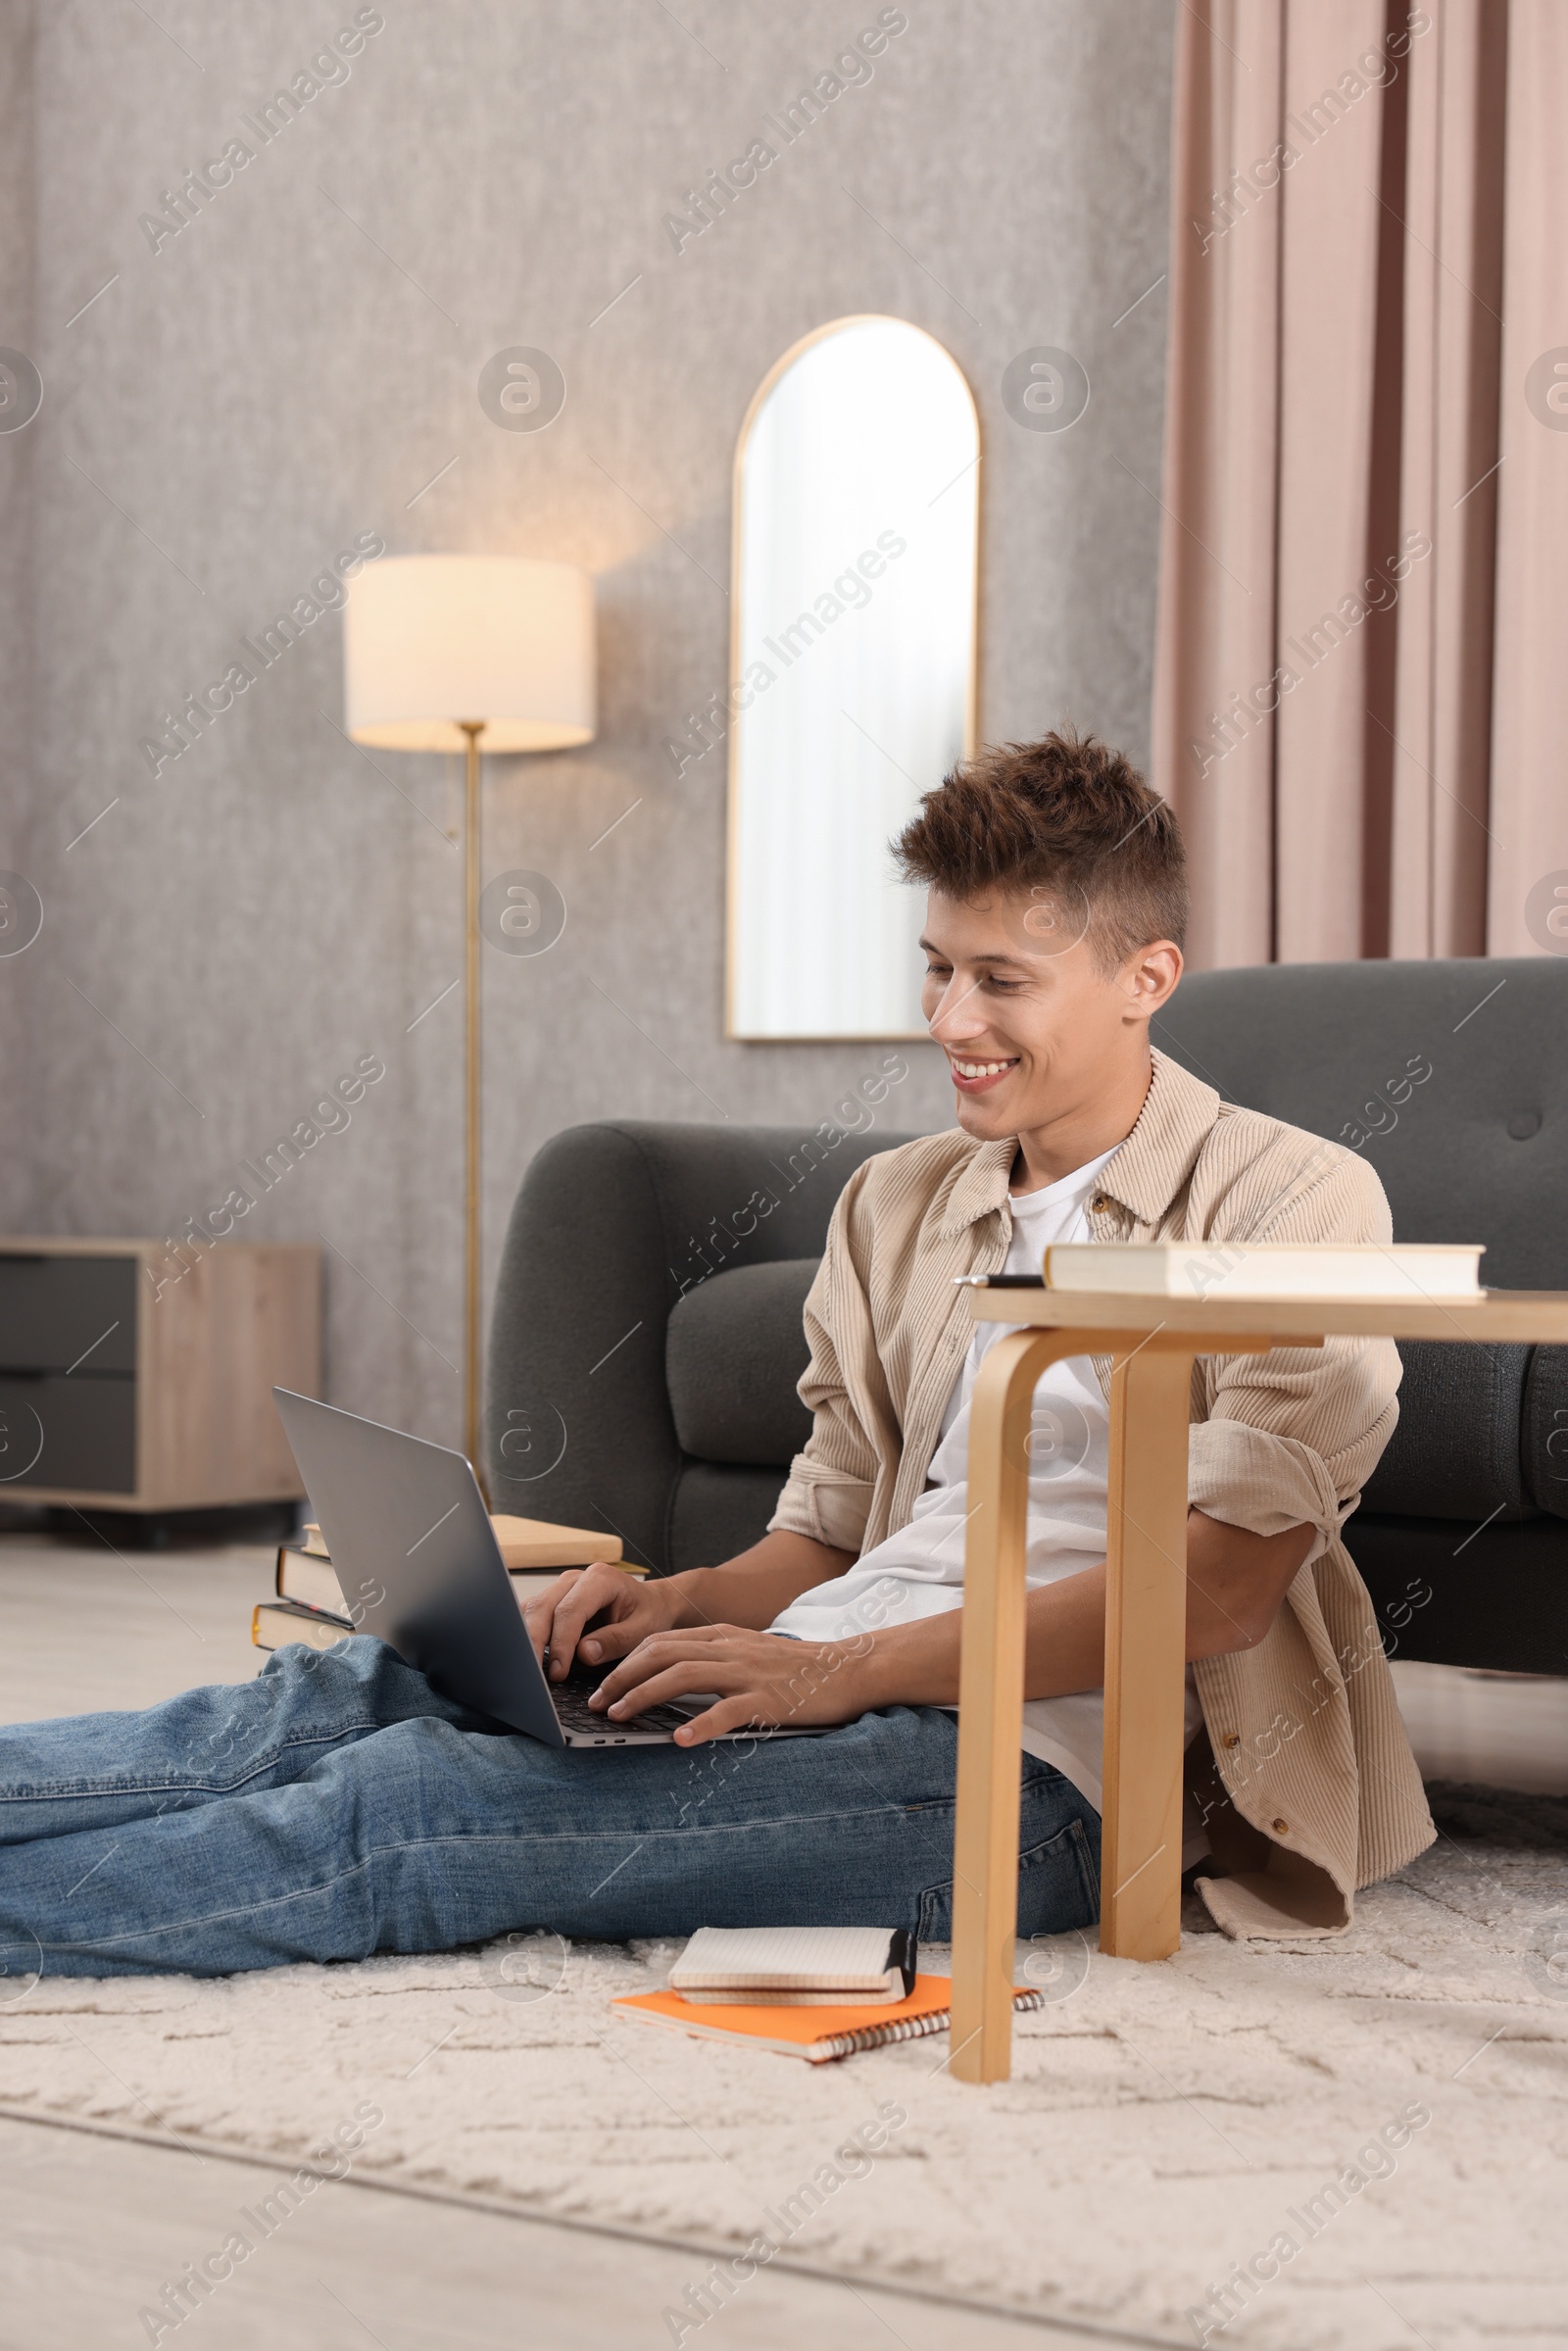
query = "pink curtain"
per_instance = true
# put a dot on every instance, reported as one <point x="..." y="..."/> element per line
<point x="1530" y="676"/>
<point x="1358" y="708"/>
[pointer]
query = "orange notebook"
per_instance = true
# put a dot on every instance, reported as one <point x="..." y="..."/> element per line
<point x="814" y="2033"/>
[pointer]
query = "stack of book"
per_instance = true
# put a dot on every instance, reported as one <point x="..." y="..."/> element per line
<point x="817" y="1992"/>
<point x="311" y="1607"/>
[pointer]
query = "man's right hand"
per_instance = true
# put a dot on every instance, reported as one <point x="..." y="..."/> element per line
<point x="621" y="1609"/>
<point x="748" y="1591"/>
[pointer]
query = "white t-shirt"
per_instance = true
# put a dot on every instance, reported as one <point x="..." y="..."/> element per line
<point x="918" y="1572"/>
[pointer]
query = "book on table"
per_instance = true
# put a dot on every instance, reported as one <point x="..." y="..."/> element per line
<point x="1400" y="1271"/>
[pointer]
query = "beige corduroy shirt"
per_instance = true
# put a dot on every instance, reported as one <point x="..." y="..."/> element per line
<point x="1312" y="1790"/>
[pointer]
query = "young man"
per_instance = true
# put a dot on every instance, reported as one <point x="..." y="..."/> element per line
<point x="338" y="1805"/>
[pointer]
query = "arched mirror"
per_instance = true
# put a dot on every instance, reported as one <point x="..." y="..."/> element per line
<point x="852" y="671"/>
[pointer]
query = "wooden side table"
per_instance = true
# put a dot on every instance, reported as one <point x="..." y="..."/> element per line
<point x="129" y="1384"/>
<point x="1152" y="1342"/>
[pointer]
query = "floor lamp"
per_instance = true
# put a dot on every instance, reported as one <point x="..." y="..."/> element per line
<point x="458" y="652"/>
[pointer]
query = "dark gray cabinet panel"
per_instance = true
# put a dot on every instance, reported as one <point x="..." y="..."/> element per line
<point x="57" y="1313"/>
<point x="77" y="1432"/>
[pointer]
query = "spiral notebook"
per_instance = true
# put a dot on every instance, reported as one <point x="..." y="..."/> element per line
<point x="814" y="2033"/>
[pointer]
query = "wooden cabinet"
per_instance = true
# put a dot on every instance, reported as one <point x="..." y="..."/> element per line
<point x="127" y="1384"/>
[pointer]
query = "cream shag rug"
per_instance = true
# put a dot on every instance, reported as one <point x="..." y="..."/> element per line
<point x="1353" y="2144"/>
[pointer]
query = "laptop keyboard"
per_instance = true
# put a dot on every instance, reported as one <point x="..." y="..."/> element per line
<point x="573" y="1712"/>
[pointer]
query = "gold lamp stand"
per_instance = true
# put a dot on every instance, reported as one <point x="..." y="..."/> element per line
<point x="473" y="1384"/>
<point x="424" y="635"/>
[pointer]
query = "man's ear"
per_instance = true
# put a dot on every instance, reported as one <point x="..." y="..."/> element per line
<point x="1149" y="977"/>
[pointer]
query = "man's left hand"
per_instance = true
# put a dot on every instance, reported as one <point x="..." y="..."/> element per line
<point x="759" y="1677"/>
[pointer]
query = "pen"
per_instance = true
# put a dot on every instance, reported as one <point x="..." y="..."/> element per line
<point x="999" y="1281"/>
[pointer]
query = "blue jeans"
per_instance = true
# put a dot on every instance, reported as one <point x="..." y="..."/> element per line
<point x="338" y="1805"/>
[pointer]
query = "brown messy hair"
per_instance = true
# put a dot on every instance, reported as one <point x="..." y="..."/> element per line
<point x="1066" y="814"/>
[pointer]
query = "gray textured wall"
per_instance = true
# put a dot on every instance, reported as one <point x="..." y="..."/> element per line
<point x="17" y="452"/>
<point x="292" y="370"/>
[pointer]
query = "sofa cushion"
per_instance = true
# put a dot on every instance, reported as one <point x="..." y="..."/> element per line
<point x="613" y="1221"/>
<point x="1498" y="1600"/>
<point x="1546" y="1430"/>
<point x="720" y="1509"/>
<point x="733" y="1352"/>
<point x="736" y="1348"/>
<point x="1447" y="1078"/>
<point x="1456" y="1453"/>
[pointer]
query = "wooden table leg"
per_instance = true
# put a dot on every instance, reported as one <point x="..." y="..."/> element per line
<point x="985" y="1854"/>
<point x="1145" y="1640"/>
<point x="1145" y="1652"/>
<point x="1146" y="1649"/>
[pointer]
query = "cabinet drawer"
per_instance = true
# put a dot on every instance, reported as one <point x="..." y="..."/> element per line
<point x="79" y="1431"/>
<point x="56" y="1312"/>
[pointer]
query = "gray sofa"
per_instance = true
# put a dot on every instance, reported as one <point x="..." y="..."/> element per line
<point x="647" y="1335"/>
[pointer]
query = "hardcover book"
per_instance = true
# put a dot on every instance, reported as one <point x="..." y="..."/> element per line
<point x="794" y="1967"/>
<point x="534" y="1549"/>
<point x="1218" y="1269"/>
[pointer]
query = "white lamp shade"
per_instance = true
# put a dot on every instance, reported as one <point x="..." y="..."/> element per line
<point x="430" y="640"/>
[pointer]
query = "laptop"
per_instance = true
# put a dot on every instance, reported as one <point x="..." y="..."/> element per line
<point x="414" y="1551"/>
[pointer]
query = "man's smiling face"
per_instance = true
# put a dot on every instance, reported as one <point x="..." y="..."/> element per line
<point x="1034" y="1028"/>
